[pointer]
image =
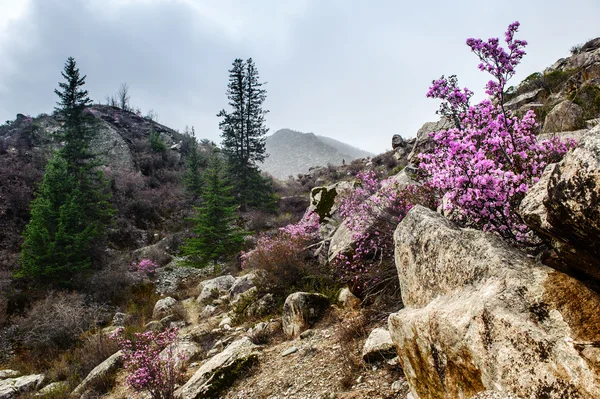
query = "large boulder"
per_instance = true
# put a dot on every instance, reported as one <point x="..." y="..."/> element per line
<point x="243" y="284"/>
<point x="220" y="371"/>
<point x="564" y="117"/>
<point x="13" y="387"/>
<point x="99" y="373"/>
<point x="301" y="311"/>
<point x="565" y="206"/>
<point x="423" y="142"/>
<point x="481" y="315"/>
<point x="171" y="279"/>
<point x="326" y="200"/>
<point x="182" y="352"/>
<point x="214" y="288"/>
<point x="163" y="307"/>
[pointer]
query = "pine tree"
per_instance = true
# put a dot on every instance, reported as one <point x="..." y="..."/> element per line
<point x="71" y="209"/>
<point x="243" y="134"/>
<point x="216" y="236"/>
<point x="192" y="179"/>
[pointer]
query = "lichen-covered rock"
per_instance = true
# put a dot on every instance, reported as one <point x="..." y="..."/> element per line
<point x="9" y="374"/>
<point x="53" y="388"/>
<point x="565" y="116"/>
<point x="481" y="315"/>
<point x="565" y="206"/>
<point x="326" y="200"/>
<point x="243" y="284"/>
<point x="220" y="371"/>
<point x="494" y="395"/>
<point x="163" y="307"/>
<point x="99" y="373"/>
<point x="215" y="287"/>
<point x="378" y="346"/>
<point x="301" y="311"/>
<point x="13" y="387"/>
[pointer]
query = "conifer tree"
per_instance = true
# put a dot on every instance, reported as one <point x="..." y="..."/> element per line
<point x="244" y="134"/>
<point x="216" y="236"/>
<point x="192" y="179"/>
<point x="71" y="209"/>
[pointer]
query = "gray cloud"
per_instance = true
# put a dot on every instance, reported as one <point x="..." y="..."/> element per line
<point x="356" y="71"/>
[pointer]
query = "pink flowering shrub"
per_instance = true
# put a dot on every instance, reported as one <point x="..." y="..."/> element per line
<point x="371" y="213"/>
<point x="488" y="161"/>
<point x="148" y="370"/>
<point x="286" y="258"/>
<point x="145" y="266"/>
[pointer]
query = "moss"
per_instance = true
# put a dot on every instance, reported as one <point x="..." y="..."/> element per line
<point x="226" y="376"/>
<point x="324" y="205"/>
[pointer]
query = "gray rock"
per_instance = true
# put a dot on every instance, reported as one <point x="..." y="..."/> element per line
<point x="215" y="287"/>
<point x="307" y="334"/>
<point x="301" y="311"/>
<point x="9" y="374"/>
<point x="398" y="142"/>
<point x="223" y="366"/>
<point x="182" y="352"/>
<point x="289" y="351"/>
<point x="482" y="315"/>
<point x="523" y="99"/>
<point x="119" y="319"/>
<point x="53" y="388"/>
<point x="348" y="300"/>
<point x="227" y="321"/>
<point x="565" y="116"/>
<point x="423" y="142"/>
<point x="13" y="387"/>
<point x="262" y="307"/>
<point x="378" y="346"/>
<point x="99" y="373"/>
<point x="243" y="284"/>
<point x="208" y="311"/>
<point x="163" y="307"/>
<point x="565" y="206"/>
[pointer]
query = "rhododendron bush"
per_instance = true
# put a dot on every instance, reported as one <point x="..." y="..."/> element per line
<point x="488" y="161"/>
<point x="371" y="213"/>
<point x="287" y="258"/>
<point x="149" y="370"/>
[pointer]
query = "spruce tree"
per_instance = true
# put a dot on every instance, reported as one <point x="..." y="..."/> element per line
<point x="192" y="179"/>
<point x="244" y="134"/>
<point x="71" y="210"/>
<point x="216" y="236"/>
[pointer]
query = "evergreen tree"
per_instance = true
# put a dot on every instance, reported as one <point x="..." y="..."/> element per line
<point x="71" y="209"/>
<point x="216" y="236"/>
<point x="192" y="179"/>
<point x="244" y="134"/>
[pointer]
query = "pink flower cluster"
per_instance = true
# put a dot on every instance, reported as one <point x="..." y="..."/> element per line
<point x="149" y="370"/>
<point x="485" y="165"/>
<point x="145" y="266"/>
<point x="371" y="212"/>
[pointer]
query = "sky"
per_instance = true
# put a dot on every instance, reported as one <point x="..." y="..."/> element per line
<point x="353" y="70"/>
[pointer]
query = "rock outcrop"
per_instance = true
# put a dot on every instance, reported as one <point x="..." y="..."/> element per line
<point x="99" y="373"/>
<point x="301" y="311"/>
<point x="481" y="315"/>
<point x="565" y="116"/>
<point x="163" y="308"/>
<point x="220" y="371"/>
<point x="13" y="387"/>
<point x="215" y="287"/>
<point x="423" y="142"/>
<point x="565" y="206"/>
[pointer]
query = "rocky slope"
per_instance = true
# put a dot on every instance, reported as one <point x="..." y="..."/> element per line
<point x="291" y="153"/>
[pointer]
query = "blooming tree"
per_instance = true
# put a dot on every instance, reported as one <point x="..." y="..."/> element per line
<point x="152" y="361"/>
<point x="487" y="162"/>
<point x="144" y="266"/>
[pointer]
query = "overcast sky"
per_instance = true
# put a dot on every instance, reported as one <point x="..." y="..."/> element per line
<point x="353" y="70"/>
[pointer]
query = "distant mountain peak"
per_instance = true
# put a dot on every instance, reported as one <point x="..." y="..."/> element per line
<point x="292" y="152"/>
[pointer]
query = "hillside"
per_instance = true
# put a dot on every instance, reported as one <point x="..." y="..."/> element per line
<point x="291" y="153"/>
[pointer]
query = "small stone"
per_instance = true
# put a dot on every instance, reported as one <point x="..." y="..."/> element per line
<point x="9" y="373"/>
<point x="289" y="351"/>
<point x="307" y="334"/>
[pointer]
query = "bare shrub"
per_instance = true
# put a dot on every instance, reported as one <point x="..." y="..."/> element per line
<point x="350" y="336"/>
<point x="57" y="321"/>
<point x="109" y="285"/>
